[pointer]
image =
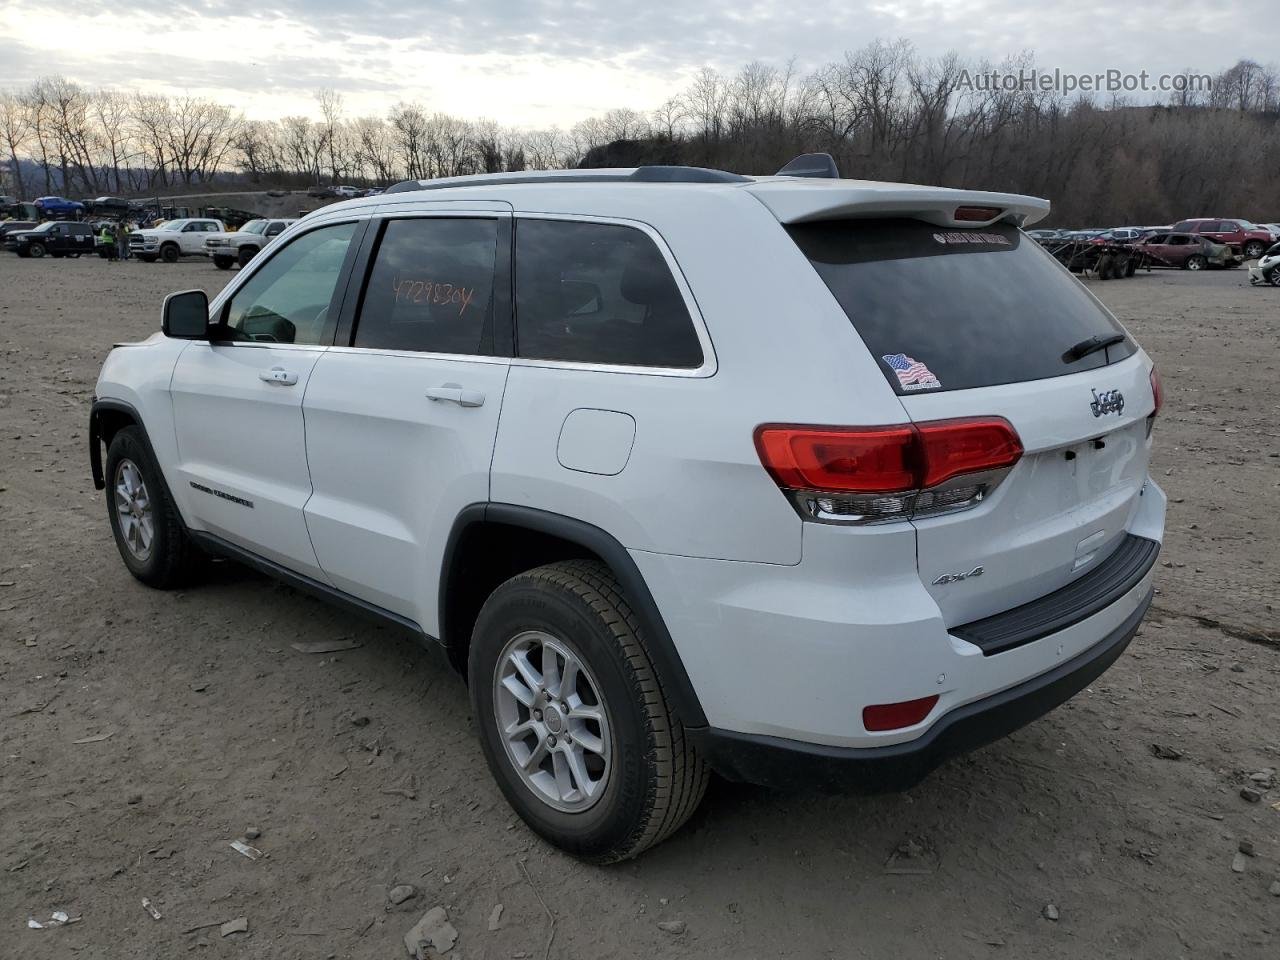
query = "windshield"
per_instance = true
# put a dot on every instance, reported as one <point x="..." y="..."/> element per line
<point x="254" y="226"/>
<point x="977" y="307"/>
<point x="44" y="227"/>
<point x="172" y="225"/>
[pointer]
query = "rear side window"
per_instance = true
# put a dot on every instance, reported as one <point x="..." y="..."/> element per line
<point x="947" y="309"/>
<point x="431" y="287"/>
<point x="598" y="293"/>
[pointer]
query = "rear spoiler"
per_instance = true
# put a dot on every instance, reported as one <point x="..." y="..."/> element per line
<point x="796" y="200"/>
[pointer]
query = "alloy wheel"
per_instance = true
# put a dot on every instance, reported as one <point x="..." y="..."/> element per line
<point x="553" y="721"/>
<point x="134" y="510"/>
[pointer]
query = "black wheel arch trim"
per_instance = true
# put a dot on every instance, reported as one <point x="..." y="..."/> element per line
<point x="656" y="638"/>
<point x="95" y="435"/>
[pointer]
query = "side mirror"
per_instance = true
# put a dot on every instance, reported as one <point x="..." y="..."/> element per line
<point x="186" y="315"/>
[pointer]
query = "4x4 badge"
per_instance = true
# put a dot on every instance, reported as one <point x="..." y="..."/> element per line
<point x="1110" y="401"/>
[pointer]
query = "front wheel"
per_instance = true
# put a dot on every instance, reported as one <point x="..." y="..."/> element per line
<point x="572" y="717"/>
<point x="169" y="253"/>
<point x="1253" y="250"/>
<point x="148" y="530"/>
<point x="246" y="254"/>
<point x="36" y="250"/>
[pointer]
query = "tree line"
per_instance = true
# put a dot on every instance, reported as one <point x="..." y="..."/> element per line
<point x="883" y="111"/>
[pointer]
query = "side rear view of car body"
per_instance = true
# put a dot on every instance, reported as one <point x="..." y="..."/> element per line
<point x="797" y="480"/>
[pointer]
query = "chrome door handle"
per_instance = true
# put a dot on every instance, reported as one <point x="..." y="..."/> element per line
<point x="280" y="375"/>
<point x="455" y="394"/>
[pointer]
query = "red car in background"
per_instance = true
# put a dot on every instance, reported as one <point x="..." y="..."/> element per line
<point x="1243" y="237"/>
<point x="1188" y="251"/>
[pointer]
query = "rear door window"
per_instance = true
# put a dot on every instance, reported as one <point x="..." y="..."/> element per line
<point x="599" y="293"/>
<point x="948" y="309"/>
<point x="431" y="288"/>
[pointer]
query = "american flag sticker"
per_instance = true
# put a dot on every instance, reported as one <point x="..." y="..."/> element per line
<point x="911" y="373"/>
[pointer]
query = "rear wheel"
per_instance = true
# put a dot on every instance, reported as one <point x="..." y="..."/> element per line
<point x="1105" y="266"/>
<point x="1253" y="249"/>
<point x="169" y="253"/>
<point x="1196" y="262"/>
<point x="573" y="720"/>
<point x="148" y="530"/>
<point x="223" y="263"/>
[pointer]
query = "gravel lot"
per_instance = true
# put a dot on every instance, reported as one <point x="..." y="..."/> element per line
<point x="213" y="725"/>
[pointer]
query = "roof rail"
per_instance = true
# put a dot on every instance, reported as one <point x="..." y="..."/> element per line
<point x="648" y="174"/>
<point x="819" y="165"/>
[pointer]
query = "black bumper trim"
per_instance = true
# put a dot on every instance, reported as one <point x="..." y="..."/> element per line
<point x="1102" y="586"/>
<point x="778" y="762"/>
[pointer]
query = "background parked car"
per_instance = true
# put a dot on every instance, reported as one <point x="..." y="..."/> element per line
<point x="54" y="238"/>
<point x="1267" y="269"/>
<point x="1187" y="251"/>
<point x="243" y="245"/>
<point x="12" y="226"/>
<point x="1243" y="237"/>
<point x="59" y="208"/>
<point x="176" y="238"/>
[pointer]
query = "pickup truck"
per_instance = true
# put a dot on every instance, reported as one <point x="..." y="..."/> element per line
<point x="174" y="239"/>
<point x="242" y="246"/>
<point x="55" y="238"/>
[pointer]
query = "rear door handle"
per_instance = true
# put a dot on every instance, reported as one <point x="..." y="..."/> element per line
<point x="453" y="393"/>
<point x="286" y="378"/>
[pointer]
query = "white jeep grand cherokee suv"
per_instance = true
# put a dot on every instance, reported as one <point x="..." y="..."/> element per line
<point x="799" y="480"/>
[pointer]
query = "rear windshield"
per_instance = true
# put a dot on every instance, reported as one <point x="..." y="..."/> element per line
<point x="948" y="309"/>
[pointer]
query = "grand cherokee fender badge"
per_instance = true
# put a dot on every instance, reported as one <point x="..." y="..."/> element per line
<point x="957" y="577"/>
<point x="1110" y="401"/>
<point x="221" y="494"/>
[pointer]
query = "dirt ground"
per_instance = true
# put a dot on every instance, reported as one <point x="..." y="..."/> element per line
<point x="202" y="723"/>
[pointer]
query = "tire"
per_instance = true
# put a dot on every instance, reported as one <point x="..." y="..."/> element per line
<point x="1274" y="279"/>
<point x="169" y="253"/>
<point x="169" y="557"/>
<point x="1254" y="249"/>
<point x="36" y="250"/>
<point x="1196" y="262"/>
<point x="223" y="263"/>
<point x="578" y="607"/>
<point x="1105" y="267"/>
<point x="246" y="254"/>
<point x="1131" y="266"/>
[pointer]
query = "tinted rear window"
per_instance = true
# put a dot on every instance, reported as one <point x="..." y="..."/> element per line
<point x="947" y="309"/>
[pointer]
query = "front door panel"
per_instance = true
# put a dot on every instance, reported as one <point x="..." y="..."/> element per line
<point x="238" y="413"/>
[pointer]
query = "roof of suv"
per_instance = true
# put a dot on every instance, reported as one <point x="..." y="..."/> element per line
<point x="792" y="199"/>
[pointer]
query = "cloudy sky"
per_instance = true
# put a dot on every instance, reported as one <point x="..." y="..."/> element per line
<point x="539" y="62"/>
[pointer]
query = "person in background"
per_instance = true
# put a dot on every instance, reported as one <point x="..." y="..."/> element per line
<point x="122" y="239"/>
<point x="108" y="240"/>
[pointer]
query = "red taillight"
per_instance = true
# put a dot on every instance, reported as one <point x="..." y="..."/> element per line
<point x="839" y="459"/>
<point x="953" y="448"/>
<point x="976" y="214"/>
<point x="1157" y="392"/>
<point x="873" y="474"/>
<point x="895" y="716"/>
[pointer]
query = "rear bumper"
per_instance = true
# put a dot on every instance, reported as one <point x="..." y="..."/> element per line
<point x="778" y="762"/>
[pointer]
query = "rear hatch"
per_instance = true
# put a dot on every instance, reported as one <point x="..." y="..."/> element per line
<point x="980" y="322"/>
